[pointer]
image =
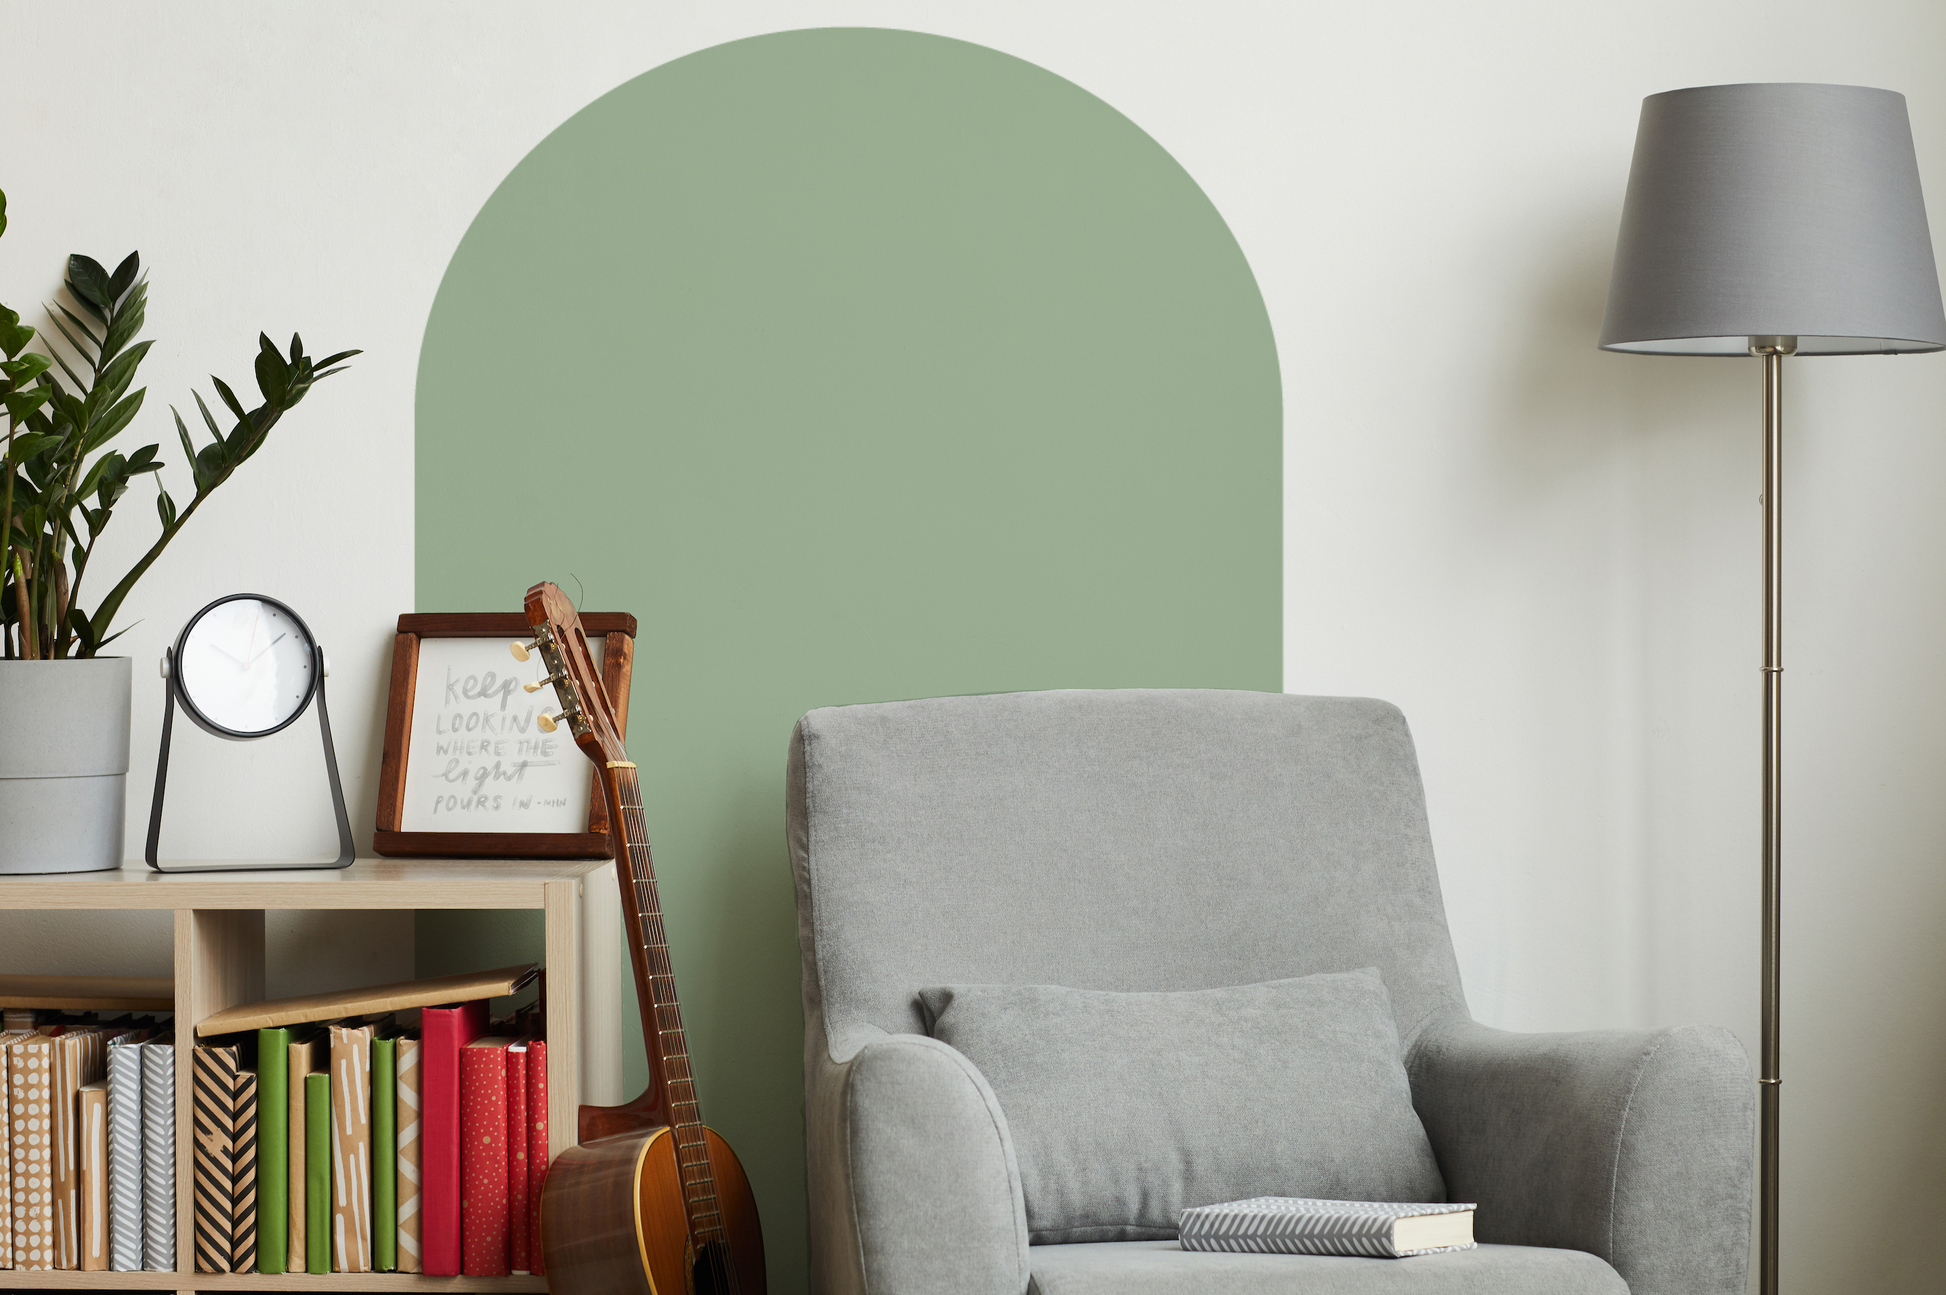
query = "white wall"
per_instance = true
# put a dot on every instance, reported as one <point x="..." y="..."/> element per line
<point x="1549" y="556"/>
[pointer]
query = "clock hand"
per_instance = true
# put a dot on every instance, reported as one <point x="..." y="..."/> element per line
<point x="245" y="665"/>
<point x="265" y="648"/>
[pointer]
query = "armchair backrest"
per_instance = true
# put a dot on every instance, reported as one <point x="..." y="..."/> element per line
<point x="1129" y="840"/>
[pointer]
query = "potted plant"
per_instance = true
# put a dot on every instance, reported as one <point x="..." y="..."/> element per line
<point x="64" y="707"/>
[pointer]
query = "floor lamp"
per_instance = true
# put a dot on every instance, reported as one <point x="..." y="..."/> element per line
<point x="1773" y="220"/>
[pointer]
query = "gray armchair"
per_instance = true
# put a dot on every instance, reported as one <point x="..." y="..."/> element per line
<point x="1185" y="840"/>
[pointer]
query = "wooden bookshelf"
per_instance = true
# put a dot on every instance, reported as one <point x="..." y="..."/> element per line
<point x="219" y="963"/>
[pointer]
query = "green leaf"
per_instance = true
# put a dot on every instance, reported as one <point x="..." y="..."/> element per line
<point x="146" y="459"/>
<point x="13" y="336"/>
<point x="110" y="424"/>
<point x="22" y="403"/>
<point x="89" y="282"/>
<point x="188" y="449"/>
<point x="273" y="375"/>
<point x="58" y="359"/>
<point x="229" y="398"/>
<point x="165" y="508"/>
<point x="115" y="378"/>
<point x="26" y="369"/>
<point x="297" y="348"/>
<point x="3" y="211"/>
<point x="126" y="324"/>
<point x="110" y="464"/>
<point x="330" y="360"/>
<point x="214" y="430"/>
<point x="83" y="631"/>
<point x="27" y="445"/>
<point x="124" y="277"/>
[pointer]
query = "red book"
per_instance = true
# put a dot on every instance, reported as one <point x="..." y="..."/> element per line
<point x="444" y="1032"/>
<point x="536" y="1144"/>
<point x="519" y="1240"/>
<point x="483" y="1157"/>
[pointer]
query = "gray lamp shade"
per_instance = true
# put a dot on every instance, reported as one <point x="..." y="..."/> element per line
<point x="1774" y="210"/>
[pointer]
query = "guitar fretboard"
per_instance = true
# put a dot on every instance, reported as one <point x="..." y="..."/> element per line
<point x="662" y="1015"/>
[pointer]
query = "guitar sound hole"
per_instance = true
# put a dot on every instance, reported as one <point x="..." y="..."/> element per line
<point x="711" y="1275"/>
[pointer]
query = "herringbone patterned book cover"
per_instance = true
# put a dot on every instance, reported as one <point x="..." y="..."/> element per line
<point x="125" y="1156"/>
<point x="1300" y="1225"/>
<point x="159" y="1155"/>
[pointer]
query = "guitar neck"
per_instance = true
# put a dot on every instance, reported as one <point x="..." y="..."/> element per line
<point x="670" y="1073"/>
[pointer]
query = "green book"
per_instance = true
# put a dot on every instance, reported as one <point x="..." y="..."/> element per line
<point x="385" y="1155"/>
<point x="273" y="1149"/>
<point x="317" y="1172"/>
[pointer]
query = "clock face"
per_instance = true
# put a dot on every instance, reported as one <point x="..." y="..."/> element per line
<point x="246" y="665"/>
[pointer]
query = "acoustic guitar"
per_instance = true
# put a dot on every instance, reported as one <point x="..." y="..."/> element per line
<point x="651" y="1200"/>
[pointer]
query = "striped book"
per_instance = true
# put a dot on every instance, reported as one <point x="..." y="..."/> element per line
<point x="351" y="1148"/>
<point x="91" y="1160"/>
<point x="243" y="1190"/>
<point x="213" y="1125"/>
<point x="407" y="1105"/>
<point x="159" y="1155"/>
<point x="80" y="1058"/>
<point x="125" y="1156"/>
<point x="30" y="1076"/>
<point x="1298" y="1225"/>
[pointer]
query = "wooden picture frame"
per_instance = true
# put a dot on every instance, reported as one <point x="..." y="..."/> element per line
<point x="617" y="632"/>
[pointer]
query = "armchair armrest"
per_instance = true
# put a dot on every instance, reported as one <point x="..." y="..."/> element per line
<point x="1634" y="1145"/>
<point x="914" y="1187"/>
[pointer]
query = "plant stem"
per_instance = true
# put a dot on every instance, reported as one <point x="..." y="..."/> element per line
<point x="105" y="610"/>
<point x="29" y="641"/>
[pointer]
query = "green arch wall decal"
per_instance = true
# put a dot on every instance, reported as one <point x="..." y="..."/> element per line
<point x="860" y="365"/>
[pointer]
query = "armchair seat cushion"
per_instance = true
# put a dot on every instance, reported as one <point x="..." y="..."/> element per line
<point x="1165" y="1268"/>
<point x="1128" y="1108"/>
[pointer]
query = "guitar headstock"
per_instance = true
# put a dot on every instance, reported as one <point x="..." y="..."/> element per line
<point x="563" y="648"/>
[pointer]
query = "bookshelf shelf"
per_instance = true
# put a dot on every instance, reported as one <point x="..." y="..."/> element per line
<point x="219" y="963"/>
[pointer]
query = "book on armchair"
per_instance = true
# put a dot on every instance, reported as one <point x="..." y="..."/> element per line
<point x="1297" y="1225"/>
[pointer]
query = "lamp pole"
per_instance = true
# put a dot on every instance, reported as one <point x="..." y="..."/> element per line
<point x="1769" y="1076"/>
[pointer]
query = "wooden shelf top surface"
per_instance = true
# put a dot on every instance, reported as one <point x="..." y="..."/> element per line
<point x="368" y="883"/>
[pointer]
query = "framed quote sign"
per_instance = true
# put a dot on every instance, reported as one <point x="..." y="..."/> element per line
<point x="467" y="771"/>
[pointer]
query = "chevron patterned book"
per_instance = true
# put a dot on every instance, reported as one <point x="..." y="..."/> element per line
<point x="1297" y="1225"/>
<point x="125" y="1155"/>
<point x="409" y="1144"/>
<point x="159" y="1154"/>
<point x="213" y="1125"/>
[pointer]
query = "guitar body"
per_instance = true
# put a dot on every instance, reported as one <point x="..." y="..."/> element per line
<point x="624" y="1196"/>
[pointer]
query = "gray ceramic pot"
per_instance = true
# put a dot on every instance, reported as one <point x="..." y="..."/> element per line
<point x="63" y="765"/>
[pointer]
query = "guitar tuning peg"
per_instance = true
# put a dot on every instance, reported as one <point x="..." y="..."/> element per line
<point x="521" y="650"/>
<point x="536" y="686"/>
<point x="546" y="723"/>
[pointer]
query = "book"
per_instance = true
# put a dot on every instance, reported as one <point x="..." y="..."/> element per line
<point x="483" y="1162"/>
<point x="79" y="1057"/>
<point x="91" y="1163"/>
<point x="385" y="1155"/>
<point x="537" y="1153"/>
<point x="30" y="1075"/>
<point x="1298" y="1225"/>
<point x="213" y="1075"/>
<point x="351" y="1148"/>
<point x="443" y="1032"/>
<point x="273" y="1148"/>
<point x="409" y="1144"/>
<point x="519" y="1248"/>
<point x="125" y="1155"/>
<point x="376" y="1000"/>
<point x="7" y="1038"/>
<point x="317" y="1172"/>
<point x="159" y="1154"/>
<point x="243" y="1180"/>
<point x="302" y="1056"/>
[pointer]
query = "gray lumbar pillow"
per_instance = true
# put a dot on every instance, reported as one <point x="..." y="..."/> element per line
<point x="1127" y="1109"/>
